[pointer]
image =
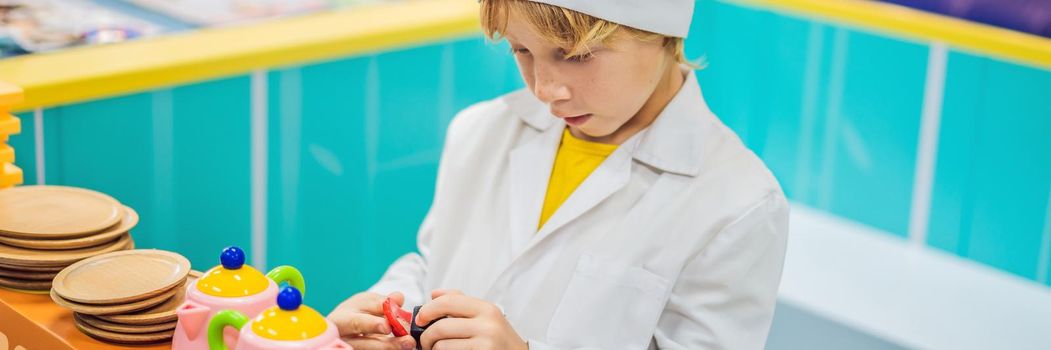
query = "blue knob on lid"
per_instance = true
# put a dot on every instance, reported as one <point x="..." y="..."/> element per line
<point x="289" y="298"/>
<point x="232" y="258"/>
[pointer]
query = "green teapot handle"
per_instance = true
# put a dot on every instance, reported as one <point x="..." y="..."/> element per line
<point x="288" y="274"/>
<point x="218" y="324"/>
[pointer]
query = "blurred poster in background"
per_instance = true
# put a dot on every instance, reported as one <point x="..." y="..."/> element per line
<point x="28" y="26"/>
<point x="1030" y="16"/>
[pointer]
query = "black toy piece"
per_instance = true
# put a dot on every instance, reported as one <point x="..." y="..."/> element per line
<point x="415" y="330"/>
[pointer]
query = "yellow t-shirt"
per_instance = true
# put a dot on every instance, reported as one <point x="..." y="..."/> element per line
<point x="575" y="160"/>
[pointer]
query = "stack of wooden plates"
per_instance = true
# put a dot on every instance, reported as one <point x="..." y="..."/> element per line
<point x="126" y="297"/>
<point x="43" y="229"/>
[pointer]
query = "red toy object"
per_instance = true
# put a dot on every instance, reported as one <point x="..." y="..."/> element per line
<point x="397" y="318"/>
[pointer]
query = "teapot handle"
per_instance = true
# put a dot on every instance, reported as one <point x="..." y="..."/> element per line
<point x="219" y="322"/>
<point x="288" y="274"/>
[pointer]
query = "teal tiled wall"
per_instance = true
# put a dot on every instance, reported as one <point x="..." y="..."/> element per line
<point x="354" y="148"/>
<point x="319" y="212"/>
<point x="760" y="56"/>
<point x="871" y="128"/>
<point x="177" y="156"/>
<point x="834" y="115"/>
<point x="993" y="178"/>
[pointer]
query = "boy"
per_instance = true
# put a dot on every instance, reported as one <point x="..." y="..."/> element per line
<point x="602" y="207"/>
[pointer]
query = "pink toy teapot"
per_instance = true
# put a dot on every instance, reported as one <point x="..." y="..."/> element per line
<point x="231" y="285"/>
<point x="288" y="326"/>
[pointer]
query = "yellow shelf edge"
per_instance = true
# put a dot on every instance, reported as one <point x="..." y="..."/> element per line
<point x="88" y="73"/>
<point x="903" y="21"/>
<point x="10" y="95"/>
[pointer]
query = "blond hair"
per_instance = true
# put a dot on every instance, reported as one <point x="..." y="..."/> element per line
<point x="574" y="31"/>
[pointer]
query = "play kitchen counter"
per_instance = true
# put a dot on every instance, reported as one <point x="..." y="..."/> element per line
<point x="35" y="322"/>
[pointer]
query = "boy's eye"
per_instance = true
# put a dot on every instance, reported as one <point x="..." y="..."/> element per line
<point x="580" y="58"/>
<point x="518" y="51"/>
<point x="576" y="58"/>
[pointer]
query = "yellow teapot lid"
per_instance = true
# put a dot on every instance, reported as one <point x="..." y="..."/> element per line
<point x="290" y="319"/>
<point x="232" y="278"/>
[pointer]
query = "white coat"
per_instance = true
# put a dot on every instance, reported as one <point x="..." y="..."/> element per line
<point x="676" y="241"/>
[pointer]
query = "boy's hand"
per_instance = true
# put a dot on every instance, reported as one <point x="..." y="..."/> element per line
<point x="361" y="323"/>
<point x="471" y="324"/>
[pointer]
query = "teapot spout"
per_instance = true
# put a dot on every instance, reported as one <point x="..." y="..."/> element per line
<point x="192" y="318"/>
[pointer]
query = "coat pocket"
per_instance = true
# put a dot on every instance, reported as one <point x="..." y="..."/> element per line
<point x="608" y="305"/>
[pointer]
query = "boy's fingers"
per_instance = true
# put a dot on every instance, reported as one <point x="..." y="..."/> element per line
<point x="370" y="302"/>
<point x="380" y="343"/>
<point x="359" y="323"/>
<point x="447" y="329"/>
<point x="398" y="298"/>
<point x="452" y="344"/>
<point x="407" y="343"/>
<point x="453" y="305"/>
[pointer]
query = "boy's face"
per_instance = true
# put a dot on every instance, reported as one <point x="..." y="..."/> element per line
<point x="598" y="94"/>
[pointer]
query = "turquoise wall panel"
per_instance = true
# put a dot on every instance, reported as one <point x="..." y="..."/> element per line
<point x="25" y="148"/>
<point x="481" y="70"/>
<point x="210" y="169"/>
<point x="319" y="218"/>
<point x="756" y="56"/>
<point x="179" y="157"/>
<point x="993" y="176"/>
<point x="871" y="122"/>
<point x="107" y="145"/>
<point x="408" y="142"/>
<point x="410" y="108"/>
<point x="956" y="147"/>
<point x="354" y="150"/>
<point x="833" y="116"/>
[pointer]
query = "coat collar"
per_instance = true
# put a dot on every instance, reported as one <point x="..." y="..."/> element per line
<point x="673" y="143"/>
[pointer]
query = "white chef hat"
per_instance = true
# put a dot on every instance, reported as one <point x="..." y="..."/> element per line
<point x="667" y="17"/>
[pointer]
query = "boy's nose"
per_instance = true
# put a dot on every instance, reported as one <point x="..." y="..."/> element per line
<point x="550" y="90"/>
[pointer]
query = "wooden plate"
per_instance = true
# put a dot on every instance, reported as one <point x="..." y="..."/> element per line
<point x="123" y="328"/>
<point x="54" y="269"/>
<point x="55" y="212"/>
<point x="27" y="275"/>
<point x="130" y="219"/>
<point x="111" y="309"/>
<point x="15" y="283"/>
<point x="123" y="338"/>
<point x="158" y="314"/>
<point x="122" y="276"/>
<point x="23" y="256"/>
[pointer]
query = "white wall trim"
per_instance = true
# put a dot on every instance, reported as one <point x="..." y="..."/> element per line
<point x="923" y="298"/>
<point x="38" y="146"/>
<point x="259" y="158"/>
<point x="927" y="147"/>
